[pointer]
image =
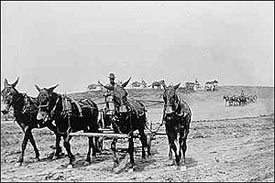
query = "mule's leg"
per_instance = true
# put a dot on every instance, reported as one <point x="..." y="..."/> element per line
<point x="131" y="151"/>
<point x="58" y="148"/>
<point x="90" y="141"/>
<point x="34" y="146"/>
<point x="67" y="146"/>
<point x="24" y="144"/>
<point x="170" y="154"/>
<point x="143" y="140"/>
<point x="94" y="146"/>
<point x="171" y="138"/>
<point x="170" y="148"/>
<point x="113" y="147"/>
<point x="183" y="143"/>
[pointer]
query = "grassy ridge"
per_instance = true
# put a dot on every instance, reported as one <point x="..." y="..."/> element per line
<point x="205" y="104"/>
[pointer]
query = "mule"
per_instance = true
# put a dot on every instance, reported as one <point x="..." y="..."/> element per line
<point x="69" y="117"/>
<point x="177" y="118"/>
<point x="129" y="115"/>
<point x="25" y="111"/>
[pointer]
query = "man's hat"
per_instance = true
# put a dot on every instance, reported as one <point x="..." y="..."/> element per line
<point x="111" y="75"/>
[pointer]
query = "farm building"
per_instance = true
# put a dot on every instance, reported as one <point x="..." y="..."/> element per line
<point x="192" y="85"/>
<point x="141" y="84"/>
<point x="211" y="85"/>
<point x="94" y="87"/>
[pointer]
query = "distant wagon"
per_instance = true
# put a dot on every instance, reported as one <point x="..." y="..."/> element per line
<point x="211" y="85"/>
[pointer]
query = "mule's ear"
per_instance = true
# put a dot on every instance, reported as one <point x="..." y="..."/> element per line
<point x="15" y="82"/>
<point x="52" y="88"/>
<point x="109" y="87"/>
<point x="177" y="86"/>
<point x="6" y="82"/>
<point x="164" y="85"/>
<point x="126" y="82"/>
<point x="37" y="87"/>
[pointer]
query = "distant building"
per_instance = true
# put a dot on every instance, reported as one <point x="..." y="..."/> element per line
<point x="211" y="85"/>
<point x="141" y="84"/>
<point x="192" y="85"/>
<point x="94" y="87"/>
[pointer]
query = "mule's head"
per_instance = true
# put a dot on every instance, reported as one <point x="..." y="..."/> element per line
<point x="9" y="95"/>
<point x="119" y="96"/>
<point x="46" y="100"/>
<point x="171" y="100"/>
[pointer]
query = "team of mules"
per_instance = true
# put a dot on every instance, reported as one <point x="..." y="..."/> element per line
<point x="63" y="115"/>
<point x="239" y="100"/>
<point x="25" y="113"/>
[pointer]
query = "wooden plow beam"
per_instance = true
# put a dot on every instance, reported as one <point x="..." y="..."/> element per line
<point x="110" y="135"/>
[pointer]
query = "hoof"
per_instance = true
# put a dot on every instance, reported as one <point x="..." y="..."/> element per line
<point x="183" y="168"/>
<point x="131" y="170"/>
<point x="37" y="159"/>
<point x="86" y="163"/>
<point x="58" y="155"/>
<point x="70" y="166"/>
<point x="88" y="160"/>
<point x="171" y="162"/>
<point x="115" y="165"/>
<point x="18" y="164"/>
<point x="72" y="159"/>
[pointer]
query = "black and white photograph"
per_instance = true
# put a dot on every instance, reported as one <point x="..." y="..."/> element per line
<point x="137" y="91"/>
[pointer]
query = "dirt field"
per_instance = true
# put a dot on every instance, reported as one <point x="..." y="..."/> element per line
<point x="224" y="144"/>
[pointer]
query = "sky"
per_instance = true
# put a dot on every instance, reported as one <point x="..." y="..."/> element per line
<point x="74" y="44"/>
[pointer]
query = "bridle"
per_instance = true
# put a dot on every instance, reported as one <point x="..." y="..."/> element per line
<point x="176" y="104"/>
<point x="15" y="98"/>
<point x="128" y="113"/>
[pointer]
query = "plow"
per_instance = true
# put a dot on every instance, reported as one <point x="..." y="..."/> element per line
<point x="108" y="133"/>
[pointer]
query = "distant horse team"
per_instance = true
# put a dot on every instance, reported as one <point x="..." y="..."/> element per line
<point x="239" y="100"/>
<point x="63" y="115"/>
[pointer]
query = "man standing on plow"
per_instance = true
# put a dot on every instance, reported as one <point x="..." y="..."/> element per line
<point x="109" y="100"/>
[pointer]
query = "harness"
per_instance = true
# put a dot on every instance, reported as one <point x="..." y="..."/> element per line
<point x="16" y="111"/>
<point x="27" y="107"/>
<point x="130" y="116"/>
<point x="178" y="112"/>
<point x="177" y="105"/>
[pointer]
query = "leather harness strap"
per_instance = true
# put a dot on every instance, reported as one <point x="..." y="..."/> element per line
<point x="78" y="107"/>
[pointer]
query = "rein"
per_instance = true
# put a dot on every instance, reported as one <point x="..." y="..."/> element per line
<point x="154" y="132"/>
